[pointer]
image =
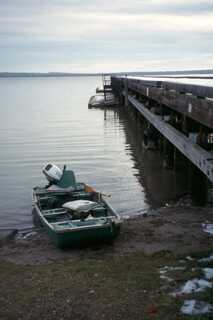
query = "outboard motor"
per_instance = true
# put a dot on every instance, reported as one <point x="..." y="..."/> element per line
<point x="52" y="173"/>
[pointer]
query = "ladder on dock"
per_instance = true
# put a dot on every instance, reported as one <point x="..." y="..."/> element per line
<point x="106" y="86"/>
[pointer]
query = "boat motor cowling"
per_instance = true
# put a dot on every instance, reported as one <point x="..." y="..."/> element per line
<point x="52" y="173"/>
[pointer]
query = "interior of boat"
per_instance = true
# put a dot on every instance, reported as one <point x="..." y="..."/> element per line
<point x="51" y="206"/>
<point x="51" y="203"/>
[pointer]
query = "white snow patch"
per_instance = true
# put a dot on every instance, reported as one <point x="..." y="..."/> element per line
<point x="181" y="261"/>
<point x="194" y="285"/>
<point x="208" y="273"/>
<point x="189" y="258"/>
<point x="166" y="278"/>
<point x="193" y="307"/>
<point x="207" y="227"/>
<point x="208" y="259"/>
<point x="169" y="269"/>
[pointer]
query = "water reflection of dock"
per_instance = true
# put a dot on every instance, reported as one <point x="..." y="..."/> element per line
<point x="160" y="185"/>
<point x="157" y="184"/>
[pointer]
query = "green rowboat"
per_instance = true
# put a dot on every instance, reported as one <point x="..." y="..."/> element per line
<point x="73" y="213"/>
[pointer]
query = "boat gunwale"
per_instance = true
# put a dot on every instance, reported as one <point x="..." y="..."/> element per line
<point x="117" y="220"/>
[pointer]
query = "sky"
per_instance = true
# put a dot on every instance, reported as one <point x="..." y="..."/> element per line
<point x="105" y="36"/>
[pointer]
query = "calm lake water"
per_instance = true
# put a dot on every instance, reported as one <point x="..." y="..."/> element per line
<point x="47" y="120"/>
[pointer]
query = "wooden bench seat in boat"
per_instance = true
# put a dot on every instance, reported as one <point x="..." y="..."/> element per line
<point x="99" y="211"/>
<point x="54" y="212"/>
<point x="80" y="223"/>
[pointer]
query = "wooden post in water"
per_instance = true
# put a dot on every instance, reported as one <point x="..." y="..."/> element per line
<point x="198" y="184"/>
<point x="168" y="154"/>
<point x="104" y="87"/>
<point x="126" y="92"/>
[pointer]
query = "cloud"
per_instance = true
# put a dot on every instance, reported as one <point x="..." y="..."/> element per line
<point x="182" y="7"/>
<point x="62" y="25"/>
<point x="60" y="31"/>
<point x="119" y="7"/>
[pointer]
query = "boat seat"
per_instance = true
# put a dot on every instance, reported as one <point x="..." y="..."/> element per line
<point x="61" y="223"/>
<point x="99" y="211"/>
<point x="82" y="195"/>
<point x="54" y="212"/>
<point x="67" y="180"/>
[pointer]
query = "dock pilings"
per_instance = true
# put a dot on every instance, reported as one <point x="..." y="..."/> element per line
<point x="177" y="120"/>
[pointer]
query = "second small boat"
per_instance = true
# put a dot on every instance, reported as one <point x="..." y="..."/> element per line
<point x="103" y="101"/>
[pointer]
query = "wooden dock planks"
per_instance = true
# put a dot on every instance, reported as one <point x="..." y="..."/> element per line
<point x="200" y="110"/>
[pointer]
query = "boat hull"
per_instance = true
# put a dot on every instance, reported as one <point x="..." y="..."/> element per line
<point x="83" y="238"/>
<point x="99" y="101"/>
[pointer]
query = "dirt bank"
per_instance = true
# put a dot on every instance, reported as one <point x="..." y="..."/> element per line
<point x="121" y="281"/>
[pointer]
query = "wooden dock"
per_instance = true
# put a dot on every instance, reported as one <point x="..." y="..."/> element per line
<point x="181" y="115"/>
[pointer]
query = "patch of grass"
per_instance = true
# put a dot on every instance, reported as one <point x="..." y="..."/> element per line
<point x="118" y="287"/>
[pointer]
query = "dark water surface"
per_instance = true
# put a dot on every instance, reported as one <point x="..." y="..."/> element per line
<point x="47" y="120"/>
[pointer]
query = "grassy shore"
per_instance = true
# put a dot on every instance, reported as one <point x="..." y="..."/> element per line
<point x="112" y="282"/>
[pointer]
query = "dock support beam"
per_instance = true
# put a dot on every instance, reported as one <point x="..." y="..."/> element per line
<point x="168" y="154"/>
<point x="126" y="102"/>
<point x="198" y="184"/>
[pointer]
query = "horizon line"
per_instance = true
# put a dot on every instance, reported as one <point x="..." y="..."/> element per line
<point x="104" y="73"/>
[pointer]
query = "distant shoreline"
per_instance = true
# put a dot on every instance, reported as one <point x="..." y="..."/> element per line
<point x="135" y="73"/>
<point x="46" y="75"/>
